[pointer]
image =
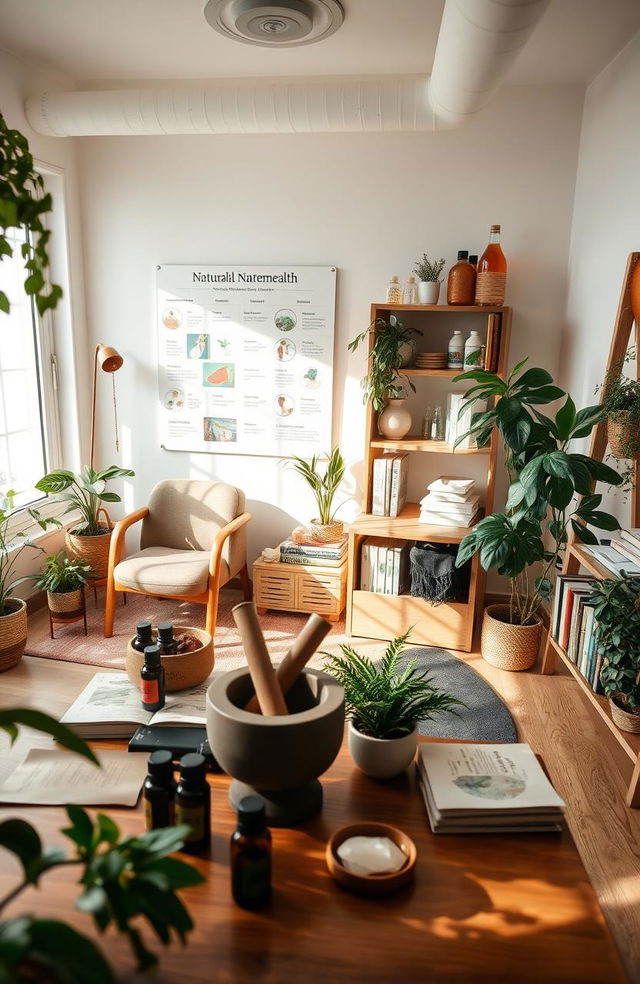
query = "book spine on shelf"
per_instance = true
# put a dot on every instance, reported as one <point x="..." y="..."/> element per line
<point x="387" y="484"/>
<point x="631" y="536"/>
<point x="378" y="490"/>
<point x="373" y="562"/>
<point x="627" y="550"/>
<point x="390" y="566"/>
<point x="365" y="568"/>
<point x="495" y="349"/>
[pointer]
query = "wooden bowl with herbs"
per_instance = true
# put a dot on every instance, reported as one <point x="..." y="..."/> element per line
<point x="182" y="670"/>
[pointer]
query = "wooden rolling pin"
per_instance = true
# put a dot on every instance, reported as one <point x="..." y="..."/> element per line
<point x="303" y="648"/>
<point x="263" y="675"/>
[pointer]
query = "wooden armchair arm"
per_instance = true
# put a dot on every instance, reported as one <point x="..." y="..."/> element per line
<point x="220" y="540"/>
<point x="117" y="537"/>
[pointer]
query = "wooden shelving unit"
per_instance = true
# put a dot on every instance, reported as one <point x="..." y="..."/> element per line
<point x="377" y="616"/>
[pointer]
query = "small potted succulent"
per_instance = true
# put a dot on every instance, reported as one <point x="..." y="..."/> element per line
<point x="86" y="493"/>
<point x="324" y="486"/>
<point x="617" y="633"/>
<point x="63" y="578"/>
<point x="429" y="273"/>
<point x="384" y="704"/>
<point x="621" y="404"/>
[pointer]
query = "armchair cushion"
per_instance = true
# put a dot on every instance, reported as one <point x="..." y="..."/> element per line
<point x="165" y="570"/>
<point x="187" y="515"/>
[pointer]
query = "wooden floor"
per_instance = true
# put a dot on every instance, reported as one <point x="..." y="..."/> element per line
<point x="589" y="771"/>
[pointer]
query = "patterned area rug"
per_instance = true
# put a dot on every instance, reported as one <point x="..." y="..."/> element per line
<point x="483" y="718"/>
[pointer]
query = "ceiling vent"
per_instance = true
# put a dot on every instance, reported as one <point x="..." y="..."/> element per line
<point x="285" y="24"/>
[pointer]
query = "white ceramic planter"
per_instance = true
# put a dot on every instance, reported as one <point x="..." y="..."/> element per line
<point x="382" y="758"/>
<point x="428" y="291"/>
<point x="394" y="421"/>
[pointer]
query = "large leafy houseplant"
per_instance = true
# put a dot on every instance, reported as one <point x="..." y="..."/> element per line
<point x="23" y="205"/>
<point x="383" y="380"/>
<point x="617" y="633"/>
<point x="86" y="493"/>
<point x="551" y="485"/>
<point x="124" y="882"/>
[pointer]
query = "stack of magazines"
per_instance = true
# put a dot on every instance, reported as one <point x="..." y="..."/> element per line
<point x="486" y="789"/>
<point x="314" y="554"/>
<point x="449" y="502"/>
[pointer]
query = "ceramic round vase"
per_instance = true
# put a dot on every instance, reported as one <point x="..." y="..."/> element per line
<point x="394" y="421"/>
<point x="505" y="645"/>
<point x="382" y="758"/>
<point x="13" y="633"/>
<point x="429" y="291"/>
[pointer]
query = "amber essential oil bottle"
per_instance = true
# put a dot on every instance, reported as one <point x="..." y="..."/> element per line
<point x="143" y="637"/>
<point x="165" y="639"/>
<point x="152" y="679"/>
<point x="251" y="855"/>
<point x="193" y="802"/>
<point x="159" y="790"/>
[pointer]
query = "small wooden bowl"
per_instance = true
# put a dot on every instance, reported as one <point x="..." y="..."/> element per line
<point x="182" y="670"/>
<point x="371" y="884"/>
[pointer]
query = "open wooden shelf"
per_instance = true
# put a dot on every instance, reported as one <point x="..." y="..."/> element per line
<point x="589" y="563"/>
<point x="407" y="526"/>
<point x="441" y="308"/>
<point x="417" y="443"/>
<point x="628" y="741"/>
<point x="445" y="373"/>
<point x="378" y="616"/>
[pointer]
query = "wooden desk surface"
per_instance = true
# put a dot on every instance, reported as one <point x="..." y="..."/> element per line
<point x="483" y="909"/>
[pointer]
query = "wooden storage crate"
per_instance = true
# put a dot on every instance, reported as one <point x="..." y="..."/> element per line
<point x="300" y="588"/>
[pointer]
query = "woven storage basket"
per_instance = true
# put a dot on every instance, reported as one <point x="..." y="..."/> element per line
<point x="13" y="635"/>
<point x="623" y="436"/>
<point x="625" y="720"/>
<point x="327" y="532"/>
<point x="507" y="646"/>
<point x="93" y="549"/>
<point x="67" y="603"/>
<point x="182" y="670"/>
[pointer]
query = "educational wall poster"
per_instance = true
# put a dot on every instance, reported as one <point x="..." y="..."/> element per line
<point x="245" y="358"/>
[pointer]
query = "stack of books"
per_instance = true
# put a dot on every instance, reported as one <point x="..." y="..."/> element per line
<point x="486" y="789"/>
<point x="458" y="419"/>
<point x="449" y="502"/>
<point x="620" y="554"/>
<point x="315" y="554"/>
<point x="384" y="566"/>
<point x="573" y="626"/>
<point x="389" y="492"/>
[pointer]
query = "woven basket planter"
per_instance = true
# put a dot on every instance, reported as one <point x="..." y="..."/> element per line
<point x="623" y="435"/>
<point x="625" y="720"/>
<point x="93" y="549"/>
<point x="67" y="604"/>
<point x="13" y="634"/>
<point x="507" y="646"/>
<point x="327" y="532"/>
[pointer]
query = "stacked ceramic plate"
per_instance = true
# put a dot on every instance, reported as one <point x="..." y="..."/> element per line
<point x="431" y="360"/>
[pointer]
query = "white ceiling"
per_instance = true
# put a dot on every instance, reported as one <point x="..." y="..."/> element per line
<point x="91" y="40"/>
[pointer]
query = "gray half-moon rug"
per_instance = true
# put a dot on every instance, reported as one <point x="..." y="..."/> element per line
<point x="484" y="716"/>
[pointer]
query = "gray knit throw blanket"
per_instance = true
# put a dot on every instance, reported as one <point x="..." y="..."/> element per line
<point x="434" y="575"/>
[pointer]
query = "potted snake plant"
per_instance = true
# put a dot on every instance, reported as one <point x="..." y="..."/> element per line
<point x="324" y="485"/>
<point x="86" y="493"/>
<point x="384" y="705"/>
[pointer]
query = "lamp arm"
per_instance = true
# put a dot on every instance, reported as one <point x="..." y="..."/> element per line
<point x="93" y="408"/>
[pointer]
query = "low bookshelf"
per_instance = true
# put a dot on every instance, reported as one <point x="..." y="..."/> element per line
<point x="381" y="616"/>
<point x="578" y="558"/>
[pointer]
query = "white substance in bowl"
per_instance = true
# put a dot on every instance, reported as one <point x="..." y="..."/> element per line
<point x="371" y="856"/>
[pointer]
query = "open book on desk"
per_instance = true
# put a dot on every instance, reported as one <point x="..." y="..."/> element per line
<point x="110" y="707"/>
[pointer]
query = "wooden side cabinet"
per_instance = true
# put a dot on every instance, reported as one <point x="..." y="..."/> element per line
<point x="300" y="588"/>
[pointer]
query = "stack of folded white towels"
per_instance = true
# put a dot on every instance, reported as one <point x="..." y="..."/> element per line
<point x="449" y="502"/>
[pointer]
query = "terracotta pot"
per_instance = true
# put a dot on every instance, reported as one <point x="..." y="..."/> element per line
<point x="394" y="421"/>
<point x="69" y="604"/>
<point x="623" y="435"/>
<point x="327" y="532"/>
<point x="429" y="291"/>
<point x="382" y="758"/>
<point x="508" y="646"/>
<point x="93" y="549"/>
<point x="182" y="670"/>
<point x="624" y="719"/>
<point x="13" y="633"/>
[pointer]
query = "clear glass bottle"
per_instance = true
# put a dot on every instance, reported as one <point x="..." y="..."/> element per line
<point x="427" y="423"/>
<point x="437" y="425"/>
<point x="394" y="291"/>
<point x="491" y="279"/>
<point x="410" y="292"/>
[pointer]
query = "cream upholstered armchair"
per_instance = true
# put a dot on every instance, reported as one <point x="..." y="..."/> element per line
<point x="193" y="540"/>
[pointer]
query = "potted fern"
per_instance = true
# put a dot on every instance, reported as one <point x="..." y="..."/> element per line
<point x="86" y="493"/>
<point x="384" y="705"/>
<point x="324" y="486"/>
<point x="617" y="633"/>
<point x="429" y="273"/>
<point x="63" y="578"/>
<point x="621" y="405"/>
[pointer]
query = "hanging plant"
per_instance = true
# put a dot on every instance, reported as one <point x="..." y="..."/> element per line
<point x="23" y="203"/>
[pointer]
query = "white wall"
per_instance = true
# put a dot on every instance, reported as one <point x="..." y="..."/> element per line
<point x="605" y="228"/>
<point x="369" y="204"/>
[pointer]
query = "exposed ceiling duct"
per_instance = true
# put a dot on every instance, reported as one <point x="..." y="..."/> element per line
<point x="478" y="41"/>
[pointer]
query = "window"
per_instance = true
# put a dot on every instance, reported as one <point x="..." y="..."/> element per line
<point x="29" y="437"/>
